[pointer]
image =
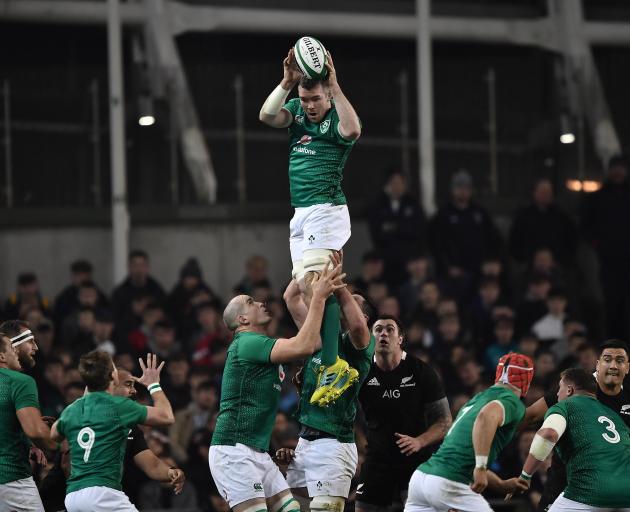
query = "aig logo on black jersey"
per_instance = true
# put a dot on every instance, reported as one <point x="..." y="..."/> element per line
<point x="391" y="393"/>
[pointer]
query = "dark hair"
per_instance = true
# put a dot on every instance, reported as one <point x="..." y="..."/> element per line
<point x="26" y="278"/>
<point x="368" y="309"/>
<point x="138" y="253"/>
<point x="310" y="83"/>
<point x="5" y="343"/>
<point x="13" y="327"/>
<point x="164" y="324"/>
<point x="96" y="369"/>
<point x="581" y="379"/>
<point x="558" y="292"/>
<point x="489" y="281"/>
<point x="504" y="320"/>
<point x="401" y="329"/>
<point x="370" y="256"/>
<point x="206" y="385"/>
<point x="81" y="266"/>
<point x="607" y="344"/>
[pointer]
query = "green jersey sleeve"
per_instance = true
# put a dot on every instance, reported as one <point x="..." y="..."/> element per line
<point x="559" y="408"/>
<point x="513" y="408"/>
<point x="292" y="106"/>
<point x="25" y="393"/>
<point x="131" y="413"/>
<point x="255" y="348"/>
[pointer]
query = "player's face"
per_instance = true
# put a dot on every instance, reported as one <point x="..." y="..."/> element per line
<point x="26" y="353"/>
<point x="388" y="339"/>
<point x="612" y="367"/>
<point x="256" y="312"/>
<point x="315" y="102"/>
<point x="126" y="385"/>
<point x="565" y="390"/>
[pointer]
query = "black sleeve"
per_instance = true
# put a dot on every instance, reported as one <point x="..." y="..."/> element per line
<point x="430" y="383"/>
<point x="137" y="444"/>
<point x="551" y="397"/>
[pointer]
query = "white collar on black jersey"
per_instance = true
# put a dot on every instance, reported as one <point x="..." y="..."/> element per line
<point x="404" y="356"/>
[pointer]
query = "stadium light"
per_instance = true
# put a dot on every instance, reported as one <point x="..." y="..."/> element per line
<point x="566" y="133"/>
<point x="146" y="120"/>
<point x="567" y="138"/>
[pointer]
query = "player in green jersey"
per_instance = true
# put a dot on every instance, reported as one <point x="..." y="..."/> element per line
<point x="96" y="427"/>
<point x="594" y="443"/>
<point x="323" y="127"/>
<point x="325" y="459"/>
<point x="243" y="471"/>
<point x="20" y="421"/>
<point x="483" y="427"/>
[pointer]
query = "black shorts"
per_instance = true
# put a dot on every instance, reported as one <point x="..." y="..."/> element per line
<point x="381" y="482"/>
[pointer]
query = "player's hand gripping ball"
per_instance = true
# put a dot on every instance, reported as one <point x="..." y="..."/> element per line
<point x="310" y="56"/>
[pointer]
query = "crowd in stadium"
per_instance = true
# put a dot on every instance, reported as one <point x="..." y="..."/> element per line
<point x="465" y="292"/>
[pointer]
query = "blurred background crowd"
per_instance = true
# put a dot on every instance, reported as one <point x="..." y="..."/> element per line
<point x="466" y="291"/>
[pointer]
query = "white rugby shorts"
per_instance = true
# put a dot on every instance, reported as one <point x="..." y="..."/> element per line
<point x="321" y="226"/>
<point x="563" y="504"/>
<point x="324" y="466"/>
<point x="98" y="499"/>
<point x="242" y="473"/>
<point x="20" y="496"/>
<point x="430" y="493"/>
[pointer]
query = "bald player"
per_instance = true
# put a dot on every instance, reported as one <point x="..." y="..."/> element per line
<point x="243" y="471"/>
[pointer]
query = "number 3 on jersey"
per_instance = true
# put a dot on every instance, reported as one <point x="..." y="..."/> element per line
<point x="615" y="438"/>
<point x="85" y="438"/>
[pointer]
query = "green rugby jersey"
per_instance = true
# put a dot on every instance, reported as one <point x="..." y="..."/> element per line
<point x="250" y="392"/>
<point x="596" y="450"/>
<point x="455" y="459"/>
<point x="338" y="418"/>
<point x="96" y="427"/>
<point x="17" y="391"/>
<point x="317" y="155"/>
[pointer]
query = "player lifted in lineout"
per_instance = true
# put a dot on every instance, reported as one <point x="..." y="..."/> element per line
<point x="323" y="126"/>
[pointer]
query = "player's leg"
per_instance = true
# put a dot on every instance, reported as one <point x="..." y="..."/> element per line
<point x="417" y="500"/>
<point x="329" y="468"/>
<point x="296" y="476"/>
<point x="327" y="229"/>
<point x="238" y="477"/>
<point x="445" y="494"/>
<point x="296" y="240"/>
<point x="376" y="486"/>
<point x="283" y="502"/>
<point x="20" y="496"/>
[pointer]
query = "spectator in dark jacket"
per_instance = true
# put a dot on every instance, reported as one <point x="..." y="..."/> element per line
<point x="27" y="296"/>
<point x="462" y="234"/>
<point x="137" y="282"/>
<point x="397" y="224"/>
<point x="605" y="220"/>
<point x="543" y="224"/>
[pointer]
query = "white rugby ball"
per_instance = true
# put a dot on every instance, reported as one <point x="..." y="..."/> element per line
<point x="310" y="56"/>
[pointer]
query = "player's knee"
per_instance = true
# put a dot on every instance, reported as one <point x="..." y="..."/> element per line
<point x="316" y="260"/>
<point x="255" y="506"/>
<point x="288" y="504"/>
<point x="327" y="504"/>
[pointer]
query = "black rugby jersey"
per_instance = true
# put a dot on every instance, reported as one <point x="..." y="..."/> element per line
<point x="394" y="401"/>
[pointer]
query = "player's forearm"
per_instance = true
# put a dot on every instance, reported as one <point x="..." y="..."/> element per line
<point x="152" y="466"/>
<point x="348" y="119"/>
<point x="308" y="336"/>
<point x="436" y="432"/>
<point x="352" y="312"/>
<point x="270" y="112"/>
<point x="163" y="405"/>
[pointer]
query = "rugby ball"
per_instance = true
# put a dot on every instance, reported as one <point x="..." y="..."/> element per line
<point x="310" y="56"/>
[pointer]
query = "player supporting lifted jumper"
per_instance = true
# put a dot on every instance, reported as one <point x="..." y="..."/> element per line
<point x="594" y="443"/>
<point x="483" y="427"/>
<point x="20" y="420"/>
<point x="323" y="127"/>
<point x="242" y="469"/>
<point x="96" y="427"/>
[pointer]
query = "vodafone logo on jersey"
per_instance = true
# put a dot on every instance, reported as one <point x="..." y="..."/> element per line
<point x="306" y="139"/>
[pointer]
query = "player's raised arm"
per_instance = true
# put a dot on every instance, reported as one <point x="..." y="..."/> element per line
<point x="307" y="339"/>
<point x="161" y="414"/>
<point x="295" y="304"/>
<point x="349" y="124"/>
<point x="272" y="112"/>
